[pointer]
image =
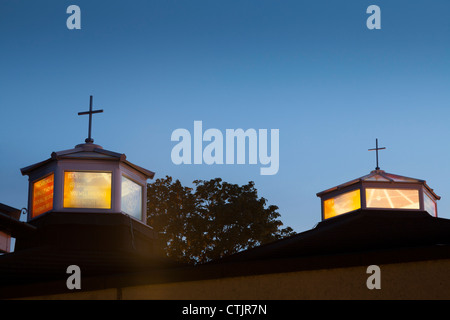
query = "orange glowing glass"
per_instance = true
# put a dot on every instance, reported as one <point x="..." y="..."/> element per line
<point x="42" y="196"/>
<point x="342" y="203"/>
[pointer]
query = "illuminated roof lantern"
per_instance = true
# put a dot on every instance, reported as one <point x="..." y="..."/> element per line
<point x="87" y="178"/>
<point x="379" y="190"/>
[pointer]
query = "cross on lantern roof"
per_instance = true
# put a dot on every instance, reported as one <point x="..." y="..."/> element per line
<point x="90" y="113"/>
<point x="376" y="150"/>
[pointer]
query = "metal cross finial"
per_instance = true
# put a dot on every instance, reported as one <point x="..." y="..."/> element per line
<point x="90" y="113"/>
<point x="376" y="149"/>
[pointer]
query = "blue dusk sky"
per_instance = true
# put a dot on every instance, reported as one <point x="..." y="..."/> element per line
<point x="311" y="69"/>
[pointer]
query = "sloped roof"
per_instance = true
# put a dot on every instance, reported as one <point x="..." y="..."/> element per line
<point x="10" y="223"/>
<point x="88" y="151"/>
<point x="360" y="231"/>
<point x="10" y="211"/>
<point x="381" y="176"/>
<point x="100" y="244"/>
<point x="362" y="237"/>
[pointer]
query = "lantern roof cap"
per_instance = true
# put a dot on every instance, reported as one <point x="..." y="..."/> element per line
<point x="380" y="176"/>
<point x="87" y="151"/>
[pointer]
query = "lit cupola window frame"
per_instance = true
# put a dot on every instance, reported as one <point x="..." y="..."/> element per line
<point x="379" y="190"/>
<point x="87" y="159"/>
<point x="394" y="192"/>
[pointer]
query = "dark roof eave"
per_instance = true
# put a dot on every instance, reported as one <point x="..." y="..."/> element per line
<point x="343" y="185"/>
<point x="431" y="191"/>
<point x="27" y="170"/>
<point x="149" y="174"/>
<point x="10" y="211"/>
<point x="14" y="226"/>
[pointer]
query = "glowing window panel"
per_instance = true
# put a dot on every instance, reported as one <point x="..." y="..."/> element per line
<point x="429" y="204"/>
<point x="87" y="190"/>
<point x="42" y="196"/>
<point x="392" y="198"/>
<point x="131" y="198"/>
<point x="341" y="204"/>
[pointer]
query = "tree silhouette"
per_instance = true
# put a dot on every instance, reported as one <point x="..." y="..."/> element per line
<point x="214" y="220"/>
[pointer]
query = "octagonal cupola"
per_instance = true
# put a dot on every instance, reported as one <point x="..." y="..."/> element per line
<point x="87" y="178"/>
<point x="379" y="190"/>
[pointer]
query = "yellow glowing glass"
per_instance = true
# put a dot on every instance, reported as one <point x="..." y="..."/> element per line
<point x="392" y="198"/>
<point x="87" y="190"/>
<point x="42" y="196"/>
<point x="342" y="203"/>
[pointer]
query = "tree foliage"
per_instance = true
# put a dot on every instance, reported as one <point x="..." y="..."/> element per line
<point x="212" y="220"/>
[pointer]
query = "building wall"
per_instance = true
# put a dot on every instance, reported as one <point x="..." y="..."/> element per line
<point x="413" y="280"/>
